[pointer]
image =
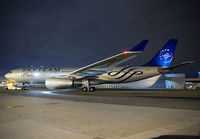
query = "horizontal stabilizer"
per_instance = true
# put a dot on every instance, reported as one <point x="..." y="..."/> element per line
<point x="167" y="69"/>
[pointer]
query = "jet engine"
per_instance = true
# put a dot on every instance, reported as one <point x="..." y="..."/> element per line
<point x="59" y="83"/>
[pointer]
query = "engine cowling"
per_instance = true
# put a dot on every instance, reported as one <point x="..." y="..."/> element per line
<point x="59" y="83"/>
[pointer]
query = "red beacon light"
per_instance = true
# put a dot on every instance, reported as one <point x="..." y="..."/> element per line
<point x="125" y="52"/>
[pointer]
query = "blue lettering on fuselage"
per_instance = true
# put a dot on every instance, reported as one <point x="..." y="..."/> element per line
<point x="115" y="73"/>
<point x="126" y="73"/>
<point x="118" y="72"/>
<point x="41" y="69"/>
<point x="24" y="74"/>
<point x="30" y="72"/>
<point x="134" y="73"/>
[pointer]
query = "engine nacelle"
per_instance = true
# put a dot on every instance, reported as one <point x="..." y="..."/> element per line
<point x="59" y="83"/>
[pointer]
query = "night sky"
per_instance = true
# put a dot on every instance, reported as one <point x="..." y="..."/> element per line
<point x="79" y="32"/>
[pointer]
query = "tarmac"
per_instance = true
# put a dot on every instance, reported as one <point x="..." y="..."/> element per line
<point x="104" y="114"/>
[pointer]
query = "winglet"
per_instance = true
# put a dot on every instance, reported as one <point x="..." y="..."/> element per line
<point x="140" y="46"/>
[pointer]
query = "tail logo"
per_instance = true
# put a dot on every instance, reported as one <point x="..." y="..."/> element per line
<point x="166" y="56"/>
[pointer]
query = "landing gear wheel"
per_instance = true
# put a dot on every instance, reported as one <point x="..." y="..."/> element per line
<point x="92" y="89"/>
<point x="84" y="89"/>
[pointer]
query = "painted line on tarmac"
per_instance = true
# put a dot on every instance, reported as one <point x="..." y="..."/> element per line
<point x="52" y="103"/>
<point x="10" y="107"/>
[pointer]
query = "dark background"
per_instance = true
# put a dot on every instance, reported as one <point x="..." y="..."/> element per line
<point x="79" y="32"/>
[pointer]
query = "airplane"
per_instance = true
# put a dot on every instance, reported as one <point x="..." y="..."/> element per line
<point x="101" y="72"/>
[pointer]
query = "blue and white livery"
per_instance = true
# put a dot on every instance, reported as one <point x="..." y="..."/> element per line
<point x="101" y="72"/>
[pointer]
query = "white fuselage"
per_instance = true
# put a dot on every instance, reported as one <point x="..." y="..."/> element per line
<point x="116" y="75"/>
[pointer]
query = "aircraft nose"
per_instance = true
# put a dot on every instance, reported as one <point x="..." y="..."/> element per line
<point x="6" y="75"/>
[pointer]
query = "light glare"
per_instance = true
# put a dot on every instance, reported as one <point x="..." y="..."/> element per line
<point x="125" y="52"/>
<point x="36" y="74"/>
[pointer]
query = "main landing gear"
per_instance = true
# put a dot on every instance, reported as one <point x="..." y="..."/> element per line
<point x="86" y="86"/>
<point x="90" y="89"/>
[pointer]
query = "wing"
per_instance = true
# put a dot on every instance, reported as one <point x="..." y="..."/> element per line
<point x="107" y="64"/>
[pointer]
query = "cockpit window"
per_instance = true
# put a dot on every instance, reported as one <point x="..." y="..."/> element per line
<point x="9" y="72"/>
